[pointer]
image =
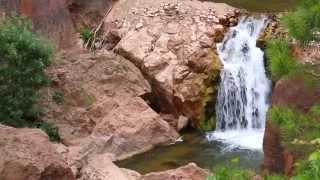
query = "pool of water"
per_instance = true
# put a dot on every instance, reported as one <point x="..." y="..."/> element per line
<point x="194" y="148"/>
<point x="261" y="5"/>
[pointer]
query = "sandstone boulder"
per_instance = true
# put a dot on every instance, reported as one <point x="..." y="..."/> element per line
<point x="28" y="154"/>
<point x="188" y="172"/>
<point x="173" y="44"/>
<point x="100" y="167"/>
<point x="103" y="111"/>
<point x="86" y="81"/>
<point x="131" y="127"/>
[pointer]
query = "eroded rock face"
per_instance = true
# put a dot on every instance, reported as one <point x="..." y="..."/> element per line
<point x="174" y="46"/>
<point x="28" y="154"/>
<point x="50" y="17"/>
<point x="273" y="151"/>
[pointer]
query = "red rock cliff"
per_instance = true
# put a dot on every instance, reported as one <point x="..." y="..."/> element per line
<point x="50" y="17"/>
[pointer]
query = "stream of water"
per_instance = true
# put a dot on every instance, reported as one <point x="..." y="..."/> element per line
<point x="244" y="91"/>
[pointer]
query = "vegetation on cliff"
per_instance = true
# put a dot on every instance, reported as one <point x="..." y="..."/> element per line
<point x="281" y="60"/>
<point x="304" y="23"/>
<point x="24" y="58"/>
<point x="299" y="131"/>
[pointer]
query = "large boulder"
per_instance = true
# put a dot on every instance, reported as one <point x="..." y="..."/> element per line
<point x="51" y="18"/>
<point x="28" y="154"/>
<point x="85" y="82"/>
<point x="174" y="46"/>
<point x="103" y="110"/>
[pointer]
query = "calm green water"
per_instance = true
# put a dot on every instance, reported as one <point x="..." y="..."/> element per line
<point x="261" y="5"/>
<point x="194" y="148"/>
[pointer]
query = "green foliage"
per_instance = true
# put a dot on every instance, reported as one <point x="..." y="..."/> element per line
<point x="315" y="111"/>
<point x="50" y="129"/>
<point x="294" y="124"/>
<point x="24" y="57"/>
<point x="275" y="177"/>
<point x="58" y="97"/>
<point x="309" y="169"/>
<point x="223" y="173"/>
<point x="86" y="35"/>
<point x="304" y="22"/>
<point x="208" y="124"/>
<point x="281" y="62"/>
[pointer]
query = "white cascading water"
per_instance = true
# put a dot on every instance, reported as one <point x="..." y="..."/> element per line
<point x="244" y="91"/>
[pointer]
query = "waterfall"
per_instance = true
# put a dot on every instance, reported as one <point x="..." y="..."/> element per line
<point x="244" y="91"/>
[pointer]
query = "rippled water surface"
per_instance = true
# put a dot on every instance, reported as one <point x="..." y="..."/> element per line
<point x="194" y="148"/>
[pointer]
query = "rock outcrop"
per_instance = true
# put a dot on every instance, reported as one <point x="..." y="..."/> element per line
<point x="297" y="93"/>
<point x="51" y="18"/>
<point x="28" y="154"/>
<point x="173" y="44"/>
<point x="103" y="110"/>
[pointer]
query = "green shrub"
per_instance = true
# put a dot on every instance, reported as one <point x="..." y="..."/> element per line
<point x="275" y="177"/>
<point x="58" y="97"/>
<point x="281" y="62"/>
<point x="50" y="129"/>
<point x="230" y="173"/>
<point x="310" y="169"/>
<point x="86" y="35"/>
<point x="295" y="125"/>
<point x="304" y="22"/>
<point x="24" y="57"/>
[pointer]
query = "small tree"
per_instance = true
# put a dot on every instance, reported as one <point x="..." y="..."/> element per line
<point x="24" y="57"/>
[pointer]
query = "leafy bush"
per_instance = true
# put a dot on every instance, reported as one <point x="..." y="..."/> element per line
<point x="50" y="129"/>
<point x="309" y="169"/>
<point x="24" y="57"/>
<point x="304" y="23"/>
<point x="58" y="97"/>
<point x="281" y="62"/>
<point x="224" y="173"/>
<point x="295" y="125"/>
<point x="86" y="35"/>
